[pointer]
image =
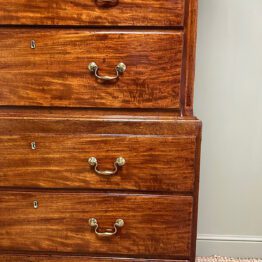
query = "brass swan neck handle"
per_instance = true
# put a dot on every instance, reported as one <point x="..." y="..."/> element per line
<point x="119" y="162"/>
<point x="108" y="232"/>
<point x="120" y="69"/>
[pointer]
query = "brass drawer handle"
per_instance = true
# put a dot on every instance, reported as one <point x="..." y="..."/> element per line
<point x="120" y="69"/>
<point x="109" y="232"/>
<point x="106" y="3"/>
<point x="120" y="161"/>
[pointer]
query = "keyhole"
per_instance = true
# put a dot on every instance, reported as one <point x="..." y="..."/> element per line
<point x="33" y="145"/>
<point x="35" y="204"/>
<point x="33" y="44"/>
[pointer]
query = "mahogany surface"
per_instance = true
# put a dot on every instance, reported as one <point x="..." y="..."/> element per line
<point x="88" y="13"/>
<point x="60" y="161"/>
<point x="70" y="258"/>
<point x="160" y="224"/>
<point x="49" y="97"/>
<point x="55" y="73"/>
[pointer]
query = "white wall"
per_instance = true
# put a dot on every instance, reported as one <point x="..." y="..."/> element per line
<point x="228" y="98"/>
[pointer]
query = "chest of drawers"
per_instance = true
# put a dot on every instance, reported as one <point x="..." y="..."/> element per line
<point x="99" y="146"/>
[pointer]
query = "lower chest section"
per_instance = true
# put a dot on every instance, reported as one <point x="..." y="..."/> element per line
<point x="89" y="187"/>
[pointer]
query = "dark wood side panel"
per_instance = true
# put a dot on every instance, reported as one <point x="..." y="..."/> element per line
<point x="155" y="226"/>
<point x="55" y="73"/>
<point x="189" y="56"/>
<point x="86" y="12"/>
<point x="196" y="194"/>
<point x="154" y="163"/>
<point x="55" y="258"/>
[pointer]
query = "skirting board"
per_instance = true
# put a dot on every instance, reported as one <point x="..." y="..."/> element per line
<point x="230" y="246"/>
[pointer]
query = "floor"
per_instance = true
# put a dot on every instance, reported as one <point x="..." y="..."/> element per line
<point x="226" y="259"/>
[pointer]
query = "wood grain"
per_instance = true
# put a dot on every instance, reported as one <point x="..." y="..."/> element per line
<point x="153" y="163"/>
<point x="94" y="113"/>
<point x="196" y="194"/>
<point x="94" y="122"/>
<point x="189" y="58"/>
<point x="48" y="96"/>
<point x="155" y="226"/>
<point x="68" y="258"/>
<point x="86" y="12"/>
<point x="56" y="74"/>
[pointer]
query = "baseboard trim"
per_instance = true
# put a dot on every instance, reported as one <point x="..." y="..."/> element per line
<point x="229" y="245"/>
<point x="226" y="238"/>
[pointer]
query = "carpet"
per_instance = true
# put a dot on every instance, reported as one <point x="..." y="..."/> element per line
<point x="226" y="259"/>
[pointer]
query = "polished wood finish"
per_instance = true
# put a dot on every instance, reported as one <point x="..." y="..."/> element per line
<point x="87" y="12"/>
<point x="48" y="96"/>
<point x="55" y="73"/>
<point x="100" y="122"/>
<point x="60" y="161"/>
<point x="189" y="59"/>
<point x="196" y="195"/>
<point x="55" y="258"/>
<point x="155" y="226"/>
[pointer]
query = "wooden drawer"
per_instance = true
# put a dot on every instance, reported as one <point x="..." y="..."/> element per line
<point x="153" y="163"/>
<point x="56" y="73"/>
<point x="93" y="12"/>
<point x="55" y="258"/>
<point x="154" y="226"/>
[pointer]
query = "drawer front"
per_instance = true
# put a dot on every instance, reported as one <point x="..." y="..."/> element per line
<point x="155" y="226"/>
<point x="93" y="12"/>
<point x="54" y="72"/>
<point x="53" y="258"/>
<point x="49" y="160"/>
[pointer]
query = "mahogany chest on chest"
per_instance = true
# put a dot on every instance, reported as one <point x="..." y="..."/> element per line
<point x="99" y="146"/>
